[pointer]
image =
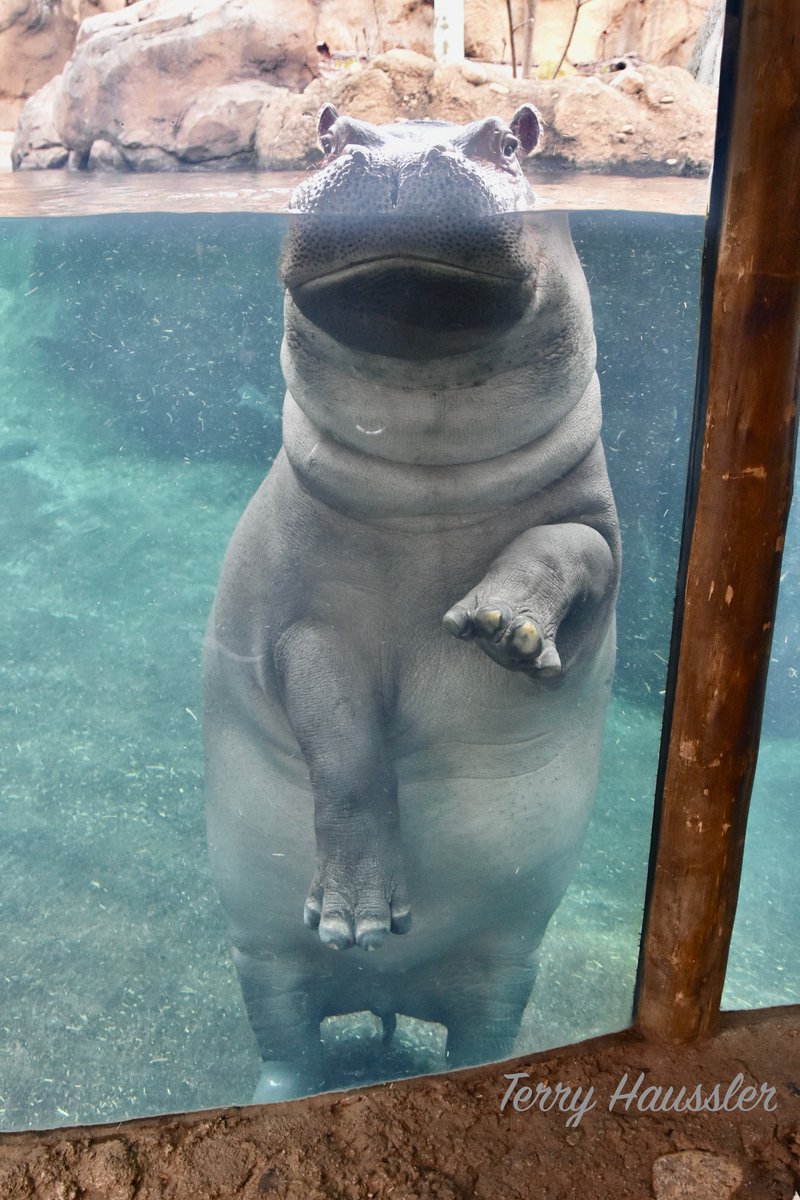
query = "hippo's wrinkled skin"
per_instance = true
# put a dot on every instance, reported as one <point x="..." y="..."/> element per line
<point x="410" y="652"/>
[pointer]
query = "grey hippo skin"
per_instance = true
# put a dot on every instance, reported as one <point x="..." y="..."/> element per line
<point x="410" y="651"/>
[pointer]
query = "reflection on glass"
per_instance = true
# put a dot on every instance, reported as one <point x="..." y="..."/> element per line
<point x="764" y="961"/>
<point x="139" y="360"/>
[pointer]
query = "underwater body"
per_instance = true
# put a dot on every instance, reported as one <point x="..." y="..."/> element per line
<point x="411" y="648"/>
<point x="141" y="408"/>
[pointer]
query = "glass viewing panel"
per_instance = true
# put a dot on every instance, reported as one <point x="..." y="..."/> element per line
<point x="142" y="404"/>
<point x="764" y="961"/>
<point x="443" y="442"/>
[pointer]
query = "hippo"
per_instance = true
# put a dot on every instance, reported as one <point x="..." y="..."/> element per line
<point x="410" y="651"/>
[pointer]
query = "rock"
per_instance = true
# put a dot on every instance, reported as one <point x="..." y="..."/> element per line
<point x="37" y="143"/>
<point x="105" y="157"/>
<point x="366" y="92"/>
<point x="286" y="133"/>
<point x="589" y="122"/>
<point x="585" y="118"/>
<point x="410" y="77"/>
<point x="113" y="88"/>
<point x="454" y="98"/>
<point x="36" y="39"/>
<point x="672" y="82"/>
<point x="473" y="74"/>
<point x="630" y="81"/>
<point x="647" y="120"/>
<point x="586" y="107"/>
<point x="695" y="1175"/>
<point x="221" y="122"/>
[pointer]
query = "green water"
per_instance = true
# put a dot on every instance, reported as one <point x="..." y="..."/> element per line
<point x="140" y="408"/>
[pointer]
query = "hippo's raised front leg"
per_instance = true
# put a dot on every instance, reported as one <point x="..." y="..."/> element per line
<point x="546" y="585"/>
<point x="333" y="704"/>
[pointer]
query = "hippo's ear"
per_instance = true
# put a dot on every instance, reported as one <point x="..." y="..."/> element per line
<point x="325" y="119"/>
<point x="526" y="124"/>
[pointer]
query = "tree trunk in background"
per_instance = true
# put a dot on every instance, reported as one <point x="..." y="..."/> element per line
<point x="448" y="31"/>
<point x="527" y="37"/>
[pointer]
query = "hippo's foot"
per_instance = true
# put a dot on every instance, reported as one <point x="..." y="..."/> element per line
<point x="549" y="582"/>
<point x="509" y="633"/>
<point x="357" y="900"/>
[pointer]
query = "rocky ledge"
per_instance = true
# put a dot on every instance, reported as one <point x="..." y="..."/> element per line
<point x="203" y="84"/>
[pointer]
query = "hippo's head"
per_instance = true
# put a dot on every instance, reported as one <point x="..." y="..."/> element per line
<point x="420" y="167"/>
<point x="409" y="239"/>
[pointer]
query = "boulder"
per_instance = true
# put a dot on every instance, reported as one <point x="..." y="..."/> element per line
<point x="642" y="119"/>
<point x="655" y="120"/>
<point x="144" y="79"/>
<point x="286" y="134"/>
<point x="37" y="143"/>
<point x="220" y="123"/>
<point x="37" y="38"/>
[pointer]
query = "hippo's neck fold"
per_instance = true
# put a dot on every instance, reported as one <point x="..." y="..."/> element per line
<point x="364" y="487"/>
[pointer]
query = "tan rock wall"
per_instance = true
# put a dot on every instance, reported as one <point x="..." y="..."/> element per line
<point x="656" y="120"/>
<point x="141" y="79"/>
<point x="659" y="31"/>
<point x="36" y="39"/>
<point x="364" y="28"/>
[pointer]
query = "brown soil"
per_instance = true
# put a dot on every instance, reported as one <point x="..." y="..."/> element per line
<point x="445" y="1138"/>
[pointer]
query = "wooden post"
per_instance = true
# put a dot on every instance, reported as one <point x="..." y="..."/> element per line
<point x="749" y="381"/>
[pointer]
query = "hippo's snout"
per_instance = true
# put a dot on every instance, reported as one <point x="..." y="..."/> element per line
<point x="420" y="167"/>
<point x="410" y="239"/>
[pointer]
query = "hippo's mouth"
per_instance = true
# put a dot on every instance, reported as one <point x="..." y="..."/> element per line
<point x="411" y="307"/>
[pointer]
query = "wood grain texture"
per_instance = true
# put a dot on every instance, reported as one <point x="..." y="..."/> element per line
<point x="742" y="503"/>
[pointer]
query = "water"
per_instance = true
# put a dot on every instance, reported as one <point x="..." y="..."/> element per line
<point x="139" y="370"/>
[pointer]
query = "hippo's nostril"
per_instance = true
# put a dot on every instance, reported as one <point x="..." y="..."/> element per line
<point x="433" y="154"/>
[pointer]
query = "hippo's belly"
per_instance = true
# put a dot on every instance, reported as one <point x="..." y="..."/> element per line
<point x="496" y="780"/>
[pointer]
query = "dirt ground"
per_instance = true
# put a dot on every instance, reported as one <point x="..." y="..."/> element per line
<point x="449" y="1137"/>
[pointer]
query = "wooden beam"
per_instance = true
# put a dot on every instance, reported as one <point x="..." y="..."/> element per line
<point x="747" y="393"/>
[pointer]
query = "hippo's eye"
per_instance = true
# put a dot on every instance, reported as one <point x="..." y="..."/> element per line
<point x="510" y="145"/>
<point x="326" y="141"/>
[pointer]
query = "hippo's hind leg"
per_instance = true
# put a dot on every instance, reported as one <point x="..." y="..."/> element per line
<point x="333" y="702"/>
<point x="281" y="1003"/>
<point x="546" y="587"/>
<point x="488" y="987"/>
